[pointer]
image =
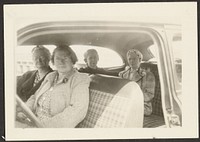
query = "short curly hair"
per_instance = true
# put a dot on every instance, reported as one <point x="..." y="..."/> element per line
<point x="43" y="49"/>
<point x="90" y="51"/>
<point x="67" y="50"/>
<point x="136" y="52"/>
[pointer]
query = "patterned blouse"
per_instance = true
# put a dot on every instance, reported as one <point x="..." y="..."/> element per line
<point x="37" y="78"/>
<point x="43" y="106"/>
<point x="63" y="103"/>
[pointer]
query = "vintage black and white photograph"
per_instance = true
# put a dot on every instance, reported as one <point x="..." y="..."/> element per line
<point x="98" y="71"/>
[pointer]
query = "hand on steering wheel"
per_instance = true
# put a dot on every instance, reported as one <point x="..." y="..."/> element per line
<point x="22" y="117"/>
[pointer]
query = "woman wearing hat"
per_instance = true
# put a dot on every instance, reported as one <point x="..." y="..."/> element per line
<point x="145" y="79"/>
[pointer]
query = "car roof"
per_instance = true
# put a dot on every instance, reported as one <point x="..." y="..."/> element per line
<point x="118" y="36"/>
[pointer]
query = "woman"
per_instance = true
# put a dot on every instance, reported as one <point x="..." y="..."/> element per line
<point x="91" y="59"/>
<point x="62" y="99"/>
<point x="145" y="79"/>
<point x="30" y="81"/>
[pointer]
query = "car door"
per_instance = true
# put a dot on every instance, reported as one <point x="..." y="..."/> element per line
<point x="170" y="86"/>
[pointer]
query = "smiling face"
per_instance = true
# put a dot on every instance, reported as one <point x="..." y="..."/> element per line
<point x="62" y="62"/>
<point x="40" y="59"/>
<point x="133" y="61"/>
<point x="92" y="60"/>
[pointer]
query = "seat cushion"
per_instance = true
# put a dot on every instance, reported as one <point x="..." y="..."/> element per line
<point x="105" y="111"/>
<point x="153" y="121"/>
<point x="114" y="103"/>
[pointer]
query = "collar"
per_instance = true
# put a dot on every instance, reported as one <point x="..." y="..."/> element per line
<point x="136" y="70"/>
<point x="140" y="71"/>
<point x="65" y="79"/>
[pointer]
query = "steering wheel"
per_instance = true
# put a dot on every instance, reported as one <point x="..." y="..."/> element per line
<point x="26" y="116"/>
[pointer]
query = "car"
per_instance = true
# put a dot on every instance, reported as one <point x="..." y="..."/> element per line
<point x="160" y="45"/>
<point x="166" y="35"/>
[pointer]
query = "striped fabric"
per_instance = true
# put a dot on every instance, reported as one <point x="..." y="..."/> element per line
<point x="105" y="111"/>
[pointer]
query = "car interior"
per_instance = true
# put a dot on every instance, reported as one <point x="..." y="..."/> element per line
<point x="113" y="101"/>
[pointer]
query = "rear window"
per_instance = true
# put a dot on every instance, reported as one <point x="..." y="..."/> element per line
<point x="107" y="57"/>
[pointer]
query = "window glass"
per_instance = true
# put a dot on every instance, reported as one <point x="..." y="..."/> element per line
<point x="177" y="53"/>
<point x="152" y="51"/>
<point x="23" y="57"/>
<point x="107" y="57"/>
<point x="177" y="50"/>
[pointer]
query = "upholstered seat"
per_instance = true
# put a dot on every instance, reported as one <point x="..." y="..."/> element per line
<point x="153" y="121"/>
<point x="156" y="118"/>
<point x="114" y="103"/>
<point x="107" y="103"/>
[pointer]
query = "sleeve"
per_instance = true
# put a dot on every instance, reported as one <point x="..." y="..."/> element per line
<point x="148" y="86"/>
<point x="20" y="81"/>
<point x="121" y="74"/>
<point x="81" y="70"/>
<point x="30" y="102"/>
<point x="77" y="109"/>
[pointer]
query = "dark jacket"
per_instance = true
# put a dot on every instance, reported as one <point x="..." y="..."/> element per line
<point x="25" y="84"/>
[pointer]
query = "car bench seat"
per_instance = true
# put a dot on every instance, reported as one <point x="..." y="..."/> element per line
<point x="156" y="119"/>
<point x="113" y="103"/>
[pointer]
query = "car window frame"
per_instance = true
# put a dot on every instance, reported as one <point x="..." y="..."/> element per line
<point x="91" y="47"/>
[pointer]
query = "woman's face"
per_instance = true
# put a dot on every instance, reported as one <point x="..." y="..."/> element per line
<point x="133" y="61"/>
<point x="91" y="60"/>
<point x="40" y="59"/>
<point x="62" y="62"/>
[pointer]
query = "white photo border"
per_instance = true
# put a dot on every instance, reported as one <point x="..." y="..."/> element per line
<point x="14" y="17"/>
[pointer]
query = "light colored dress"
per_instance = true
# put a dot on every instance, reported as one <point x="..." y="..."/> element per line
<point x="146" y="81"/>
<point x="64" y="104"/>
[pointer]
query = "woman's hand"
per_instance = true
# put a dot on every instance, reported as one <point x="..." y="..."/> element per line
<point x="23" y="121"/>
<point x="21" y="116"/>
